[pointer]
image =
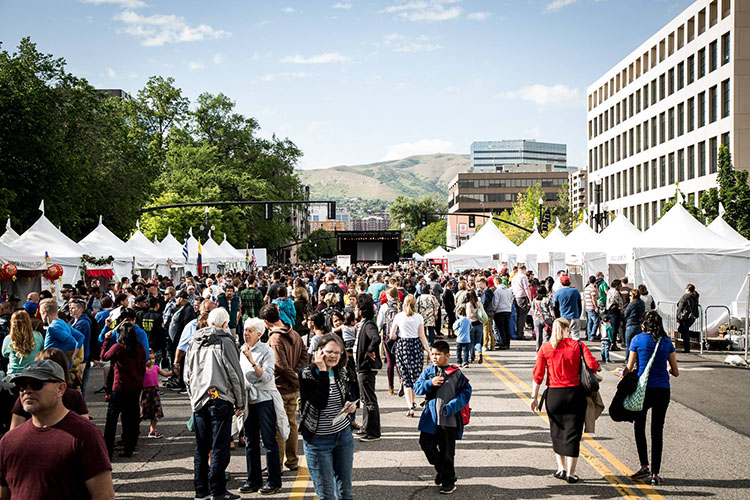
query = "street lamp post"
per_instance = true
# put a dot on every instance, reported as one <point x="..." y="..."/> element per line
<point x="541" y="208"/>
<point x="600" y="215"/>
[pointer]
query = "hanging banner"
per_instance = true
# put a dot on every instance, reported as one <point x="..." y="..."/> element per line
<point x="344" y="261"/>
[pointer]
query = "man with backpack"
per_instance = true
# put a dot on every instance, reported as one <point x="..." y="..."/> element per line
<point x="385" y="323"/>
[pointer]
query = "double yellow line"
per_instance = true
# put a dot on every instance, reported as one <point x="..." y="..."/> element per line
<point x="589" y="446"/>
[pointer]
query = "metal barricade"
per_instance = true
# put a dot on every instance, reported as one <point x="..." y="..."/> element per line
<point x="668" y="311"/>
<point x="704" y="322"/>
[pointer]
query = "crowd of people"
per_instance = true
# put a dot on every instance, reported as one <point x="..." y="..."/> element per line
<point x="248" y="348"/>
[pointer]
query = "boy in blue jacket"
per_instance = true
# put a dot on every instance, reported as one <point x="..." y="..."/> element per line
<point x="447" y="391"/>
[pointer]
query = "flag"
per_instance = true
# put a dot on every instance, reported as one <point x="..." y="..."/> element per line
<point x="253" y="259"/>
<point x="200" y="258"/>
<point x="185" y="250"/>
<point x="46" y="257"/>
<point x="247" y="255"/>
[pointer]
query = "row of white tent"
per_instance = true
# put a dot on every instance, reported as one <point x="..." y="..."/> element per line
<point x="27" y="251"/>
<point x="675" y="251"/>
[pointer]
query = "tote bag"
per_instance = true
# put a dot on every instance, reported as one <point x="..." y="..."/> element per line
<point x="634" y="401"/>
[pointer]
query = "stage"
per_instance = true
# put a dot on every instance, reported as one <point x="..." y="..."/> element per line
<point x="370" y="246"/>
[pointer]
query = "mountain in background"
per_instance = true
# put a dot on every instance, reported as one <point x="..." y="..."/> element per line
<point x="414" y="176"/>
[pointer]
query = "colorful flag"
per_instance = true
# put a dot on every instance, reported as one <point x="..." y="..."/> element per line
<point x="254" y="263"/>
<point x="247" y="255"/>
<point x="46" y="255"/>
<point x="200" y="258"/>
<point x="185" y="250"/>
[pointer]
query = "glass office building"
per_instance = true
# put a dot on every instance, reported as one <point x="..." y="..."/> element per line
<point x="488" y="155"/>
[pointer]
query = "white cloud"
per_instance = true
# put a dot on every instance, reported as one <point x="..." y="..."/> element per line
<point x="402" y="43"/>
<point x="287" y="10"/>
<point x="425" y="10"/>
<point x="158" y="29"/>
<point x="342" y="5"/>
<point x="218" y="58"/>
<point x="270" y="77"/>
<point x="556" y="5"/>
<point x="111" y="73"/>
<point x="478" y="16"/>
<point x="545" y="95"/>
<point x="193" y="65"/>
<point x="326" y="58"/>
<point x="130" y="4"/>
<point x="423" y="147"/>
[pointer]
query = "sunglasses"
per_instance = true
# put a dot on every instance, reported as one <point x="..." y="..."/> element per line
<point x="32" y="383"/>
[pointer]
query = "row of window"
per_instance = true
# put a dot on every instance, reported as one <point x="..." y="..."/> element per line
<point x="664" y="49"/>
<point x="675" y="122"/>
<point x="645" y="215"/>
<point x="492" y="198"/>
<point x="683" y="164"/>
<point x="681" y="75"/>
<point x="510" y="183"/>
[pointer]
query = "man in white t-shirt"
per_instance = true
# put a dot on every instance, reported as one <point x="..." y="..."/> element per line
<point x="522" y="298"/>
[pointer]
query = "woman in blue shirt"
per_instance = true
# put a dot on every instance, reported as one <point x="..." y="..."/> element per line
<point x="657" y="391"/>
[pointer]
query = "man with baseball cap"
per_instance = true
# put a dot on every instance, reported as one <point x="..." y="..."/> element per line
<point x="568" y="305"/>
<point x="75" y="463"/>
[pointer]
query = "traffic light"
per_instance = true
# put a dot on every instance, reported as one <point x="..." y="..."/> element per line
<point x="331" y="210"/>
<point x="472" y="221"/>
<point x="423" y="220"/>
<point x="267" y="211"/>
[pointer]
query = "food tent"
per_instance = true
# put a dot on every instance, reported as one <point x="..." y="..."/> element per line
<point x="229" y="249"/>
<point x="417" y="257"/>
<point x="212" y="250"/>
<point x="437" y="253"/>
<point x="103" y="243"/>
<point x="528" y="249"/>
<point x="489" y="247"/>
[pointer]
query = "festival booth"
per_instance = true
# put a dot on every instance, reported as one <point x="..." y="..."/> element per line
<point x="64" y="264"/>
<point x="9" y="235"/>
<point x="417" y="257"/>
<point x="174" y="261"/>
<point x="240" y="257"/>
<point x="101" y="244"/>
<point x="529" y="248"/>
<point x="583" y="248"/>
<point x="551" y="259"/>
<point x="209" y="262"/>
<point x="139" y="243"/>
<point x="619" y="238"/>
<point x="437" y="253"/>
<point x="720" y="227"/>
<point x="212" y="250"/>
<point x="20" y="273"/>
<point x="489" y="247"/>
<point x="678" y="250"/>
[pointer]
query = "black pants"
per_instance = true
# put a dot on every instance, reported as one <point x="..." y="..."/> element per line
<point x="614" y="321"/>
<point x="658" y="400"/>
<point x="502" y="320"/>
<point x="521" y="313"/>
<point x="440" y="450"/>
<point x="123" y="405"/>
<point x="371" y="411"/>
<point x="684" y="330"/>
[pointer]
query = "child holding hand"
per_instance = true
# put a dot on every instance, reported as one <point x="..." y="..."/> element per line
<point x="150" y="401"/>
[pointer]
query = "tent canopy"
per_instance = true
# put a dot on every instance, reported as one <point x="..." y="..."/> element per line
<point x="9" y="235"/>
<point x="720" y="227"/>
<point x="229" y="249"/>
<point x="437" y="253"/>
<point x="677" y="229"/>
<point x="480" y="250"/>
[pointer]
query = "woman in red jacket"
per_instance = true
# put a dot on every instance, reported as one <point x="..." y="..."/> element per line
<point x="566" y="400"/>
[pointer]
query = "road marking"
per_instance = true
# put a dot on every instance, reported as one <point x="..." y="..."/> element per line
<point x="622" y="488"/>
<point x="696" y="369"/>
<point x="299" y="488"/>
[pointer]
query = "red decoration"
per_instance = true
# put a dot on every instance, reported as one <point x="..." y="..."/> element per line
<point x="53" y="272"/>
<point x="99" y="273"/>
<point x="8" y="271"/>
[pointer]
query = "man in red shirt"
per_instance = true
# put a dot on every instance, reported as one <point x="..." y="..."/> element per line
<point x="75" y="462"/>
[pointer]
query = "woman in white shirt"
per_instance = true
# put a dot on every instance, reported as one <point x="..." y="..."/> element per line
<point x="408" y="328"/>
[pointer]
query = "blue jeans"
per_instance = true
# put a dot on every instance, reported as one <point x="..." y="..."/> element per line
<point x="213" y="433"/>
<point x="260" y="422"/>
<point x="477" y="337"/>
<point x="462" y="352"/>
<point x="430" y="334"/>
<point x="330" y="460"/>
<point x="630" y="332"/>
<point x="592" y="325"/>
<point x="605" y="350"/>
<point x="513" y="321"/>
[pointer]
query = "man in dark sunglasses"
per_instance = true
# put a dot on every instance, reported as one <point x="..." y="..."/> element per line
<point x="75" y="463"/>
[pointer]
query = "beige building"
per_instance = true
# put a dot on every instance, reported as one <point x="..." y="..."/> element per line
<point x="577" y="189"/>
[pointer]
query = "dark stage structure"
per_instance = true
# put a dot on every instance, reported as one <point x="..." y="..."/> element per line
<point x="370" y="246"/>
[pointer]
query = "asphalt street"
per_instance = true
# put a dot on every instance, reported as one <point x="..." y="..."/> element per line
<point x="506" y="451"/>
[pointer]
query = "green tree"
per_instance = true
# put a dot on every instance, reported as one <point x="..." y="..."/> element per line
<point x="690" y="207"/>
<point x="733" y="193"/>
<point x="431" y="236"/>
<point x="563" y="210"/>
<point x="525" y="210"/>
<point x="321" y="244"/>
<point x="410" y="212"/>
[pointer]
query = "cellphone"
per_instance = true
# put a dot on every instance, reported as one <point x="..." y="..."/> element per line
<point x="347" y="406"/>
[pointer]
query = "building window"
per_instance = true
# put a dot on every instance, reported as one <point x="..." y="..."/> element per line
<point x="662" y="171"/>
<point x="646" y="221"/>
<point x="725" y="98"/>
<point x="654" y="136"/>
<point x="637" y="101"/>
<point x="631" y="180"/>
<point x="725" y="49"/>
<point x="645" y="96"/>
<point x="701" y="109"/>
<point x="725" y="139"/>
<point x="691" y="115"/>
<point x="671" y="124"/>
<point x="691" y="162"/>
<point x="713" y="104"/>
<point x="671" y="168"/>
<point x="701" y="63"/>
<point x="680" y="75"/>
<point x="653" y="91"/>
<point x="701" y="159"/>
<point x="714" y="152"/>
<point x="662" y="87"/>
<point x="619" y="185"/>
<point x="690" y="69"/>
<point x="654" y="175"/>
<point x="681" y="165"/>
<point x="680" y="118"/>
<point x="662" y="127"/>
<point x="630" y="142"/>
<point x="713" y="56"/>
<point x="637" y="178"/>
<point x="630" y="105"/>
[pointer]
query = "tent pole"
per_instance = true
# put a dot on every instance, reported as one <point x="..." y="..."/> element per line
<point x="747" y="314"/>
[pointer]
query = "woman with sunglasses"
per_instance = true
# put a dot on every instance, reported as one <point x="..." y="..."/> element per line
<point x="327" y="436"/>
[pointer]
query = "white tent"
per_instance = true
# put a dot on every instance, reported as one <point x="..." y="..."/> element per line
<point x="678" y="250"/>
<point x="437" y="253"/>
<point x="528" y="249"/>
<point x="9" y="235"/>
<point x="417" y="257"/>
<point x="240" y="256"/>
<point x="42" y="237"/>
<point x="212" y="250"/>
<point x="101" y="243"/>
<point x="489" y="247"/>
<point x="720" y="227"/>
<point x="23" y="260"/>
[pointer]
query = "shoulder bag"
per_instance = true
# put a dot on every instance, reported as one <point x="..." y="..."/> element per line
<point x="587" y="376"/>
<point x="634" y="401"/>
<point x="482" y="314"/>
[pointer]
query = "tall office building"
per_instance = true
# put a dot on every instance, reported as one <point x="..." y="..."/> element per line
<point x="658" y="117"/>
<point x="486" y="155"/>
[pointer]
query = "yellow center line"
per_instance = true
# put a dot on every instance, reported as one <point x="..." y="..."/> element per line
<point x="622" y="468"/>
<point x="299" y="488"/>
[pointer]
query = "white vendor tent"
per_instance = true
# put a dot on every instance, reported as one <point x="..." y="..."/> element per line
<point x="140" y="243"/>
<point x="417" y="257"/>
<point x="102" y="243"/>
<point x="436" y="253"/>
<point x="212" y="250"/>
<point x="42" y="237"/>
<point x="489" y="247"/>
<point x="678" y="250"/>
<point x="720" y="227"/>
<point x="9" y="235"/>
<point x="240" y="256"/>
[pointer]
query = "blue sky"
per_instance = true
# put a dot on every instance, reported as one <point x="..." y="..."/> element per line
<point x="356" y="81"/>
